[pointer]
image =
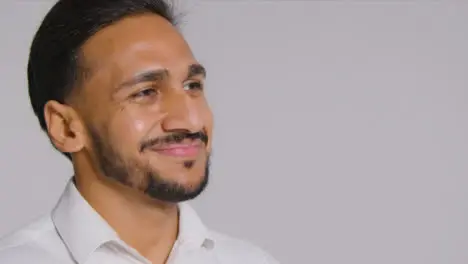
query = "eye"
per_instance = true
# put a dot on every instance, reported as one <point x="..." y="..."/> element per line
<point x="145" y="93"/>
<point x="193" y="85"/>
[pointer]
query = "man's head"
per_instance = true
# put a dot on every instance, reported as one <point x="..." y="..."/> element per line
<point x="117" y="89"/>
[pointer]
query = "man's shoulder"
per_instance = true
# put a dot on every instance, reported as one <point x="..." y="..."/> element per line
<point x="30" y="244"/>
<point x="27" y="234"/>
<point x="238" y="250"/>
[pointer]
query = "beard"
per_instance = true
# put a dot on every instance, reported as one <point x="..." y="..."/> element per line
<point x="143" y="177"/>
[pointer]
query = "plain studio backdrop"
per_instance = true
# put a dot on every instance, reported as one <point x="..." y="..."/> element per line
<point x="341" y="127"/>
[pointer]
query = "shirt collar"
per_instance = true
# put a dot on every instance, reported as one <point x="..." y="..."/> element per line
<point x="80" y="227"/>
<point x="83" y="230"/>
<point x="192" y="231"/>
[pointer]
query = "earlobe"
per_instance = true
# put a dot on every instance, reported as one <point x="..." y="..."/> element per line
<point x="62" y="127"/>
<point x="75" y="140"/>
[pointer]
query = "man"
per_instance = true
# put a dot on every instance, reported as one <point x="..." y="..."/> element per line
<point x="119" y="92"/>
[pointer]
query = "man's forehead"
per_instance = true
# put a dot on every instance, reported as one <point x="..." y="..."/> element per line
<point x="143" y="39"/>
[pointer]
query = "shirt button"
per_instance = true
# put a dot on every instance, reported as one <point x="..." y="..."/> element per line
<point x="208" y="244"/>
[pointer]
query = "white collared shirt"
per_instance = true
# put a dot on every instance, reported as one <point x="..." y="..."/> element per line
<point x="74" y="233"/>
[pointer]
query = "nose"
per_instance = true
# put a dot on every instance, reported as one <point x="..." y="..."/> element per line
<point x="182" y="113"/>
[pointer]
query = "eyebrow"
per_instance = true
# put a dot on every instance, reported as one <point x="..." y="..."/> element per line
<point x="146" y="76"/>
<point x="195" y="70"/>
<point x="161" y="74"/>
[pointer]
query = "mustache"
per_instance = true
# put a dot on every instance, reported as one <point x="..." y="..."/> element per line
<point x="175" y="137"/>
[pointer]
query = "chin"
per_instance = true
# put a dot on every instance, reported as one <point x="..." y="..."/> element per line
<point x="179" y="181"/>
<point x="176" y="190"/>
<point x="189" y="180"/>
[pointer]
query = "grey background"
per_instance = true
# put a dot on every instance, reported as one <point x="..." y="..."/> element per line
<point x="341" y="127"/>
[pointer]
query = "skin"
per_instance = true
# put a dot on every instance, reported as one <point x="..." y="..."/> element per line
<point x="121" y="113"/>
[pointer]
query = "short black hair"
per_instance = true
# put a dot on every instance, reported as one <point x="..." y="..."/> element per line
<point x="54" y="66"/>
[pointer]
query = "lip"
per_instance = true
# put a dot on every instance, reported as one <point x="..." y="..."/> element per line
<point x="179" y="150"/>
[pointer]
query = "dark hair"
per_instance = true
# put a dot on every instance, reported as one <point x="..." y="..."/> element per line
<point x="54" y="67"/>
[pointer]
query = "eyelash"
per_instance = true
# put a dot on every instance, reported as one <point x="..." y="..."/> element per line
<point x="199" y="85"/>
<point x="144" y="92"/>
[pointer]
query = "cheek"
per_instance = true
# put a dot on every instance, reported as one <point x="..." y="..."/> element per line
<point x="135" y="129"/>
<point x="208" y="120"/>
<point x="139" y="125"/>
<point x="204" y="109"/>
<point x="129" y="129"/>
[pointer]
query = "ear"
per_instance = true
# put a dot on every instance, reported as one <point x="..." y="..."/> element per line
<point x="64" y="127"/>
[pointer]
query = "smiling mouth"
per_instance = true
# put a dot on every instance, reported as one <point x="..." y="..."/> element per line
<point x="180" y="150"/>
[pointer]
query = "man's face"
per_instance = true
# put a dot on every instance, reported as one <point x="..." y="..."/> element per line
<point x="143" y="103"/>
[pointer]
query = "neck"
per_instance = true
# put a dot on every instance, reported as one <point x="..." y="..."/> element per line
<point x="148" y="226"/>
